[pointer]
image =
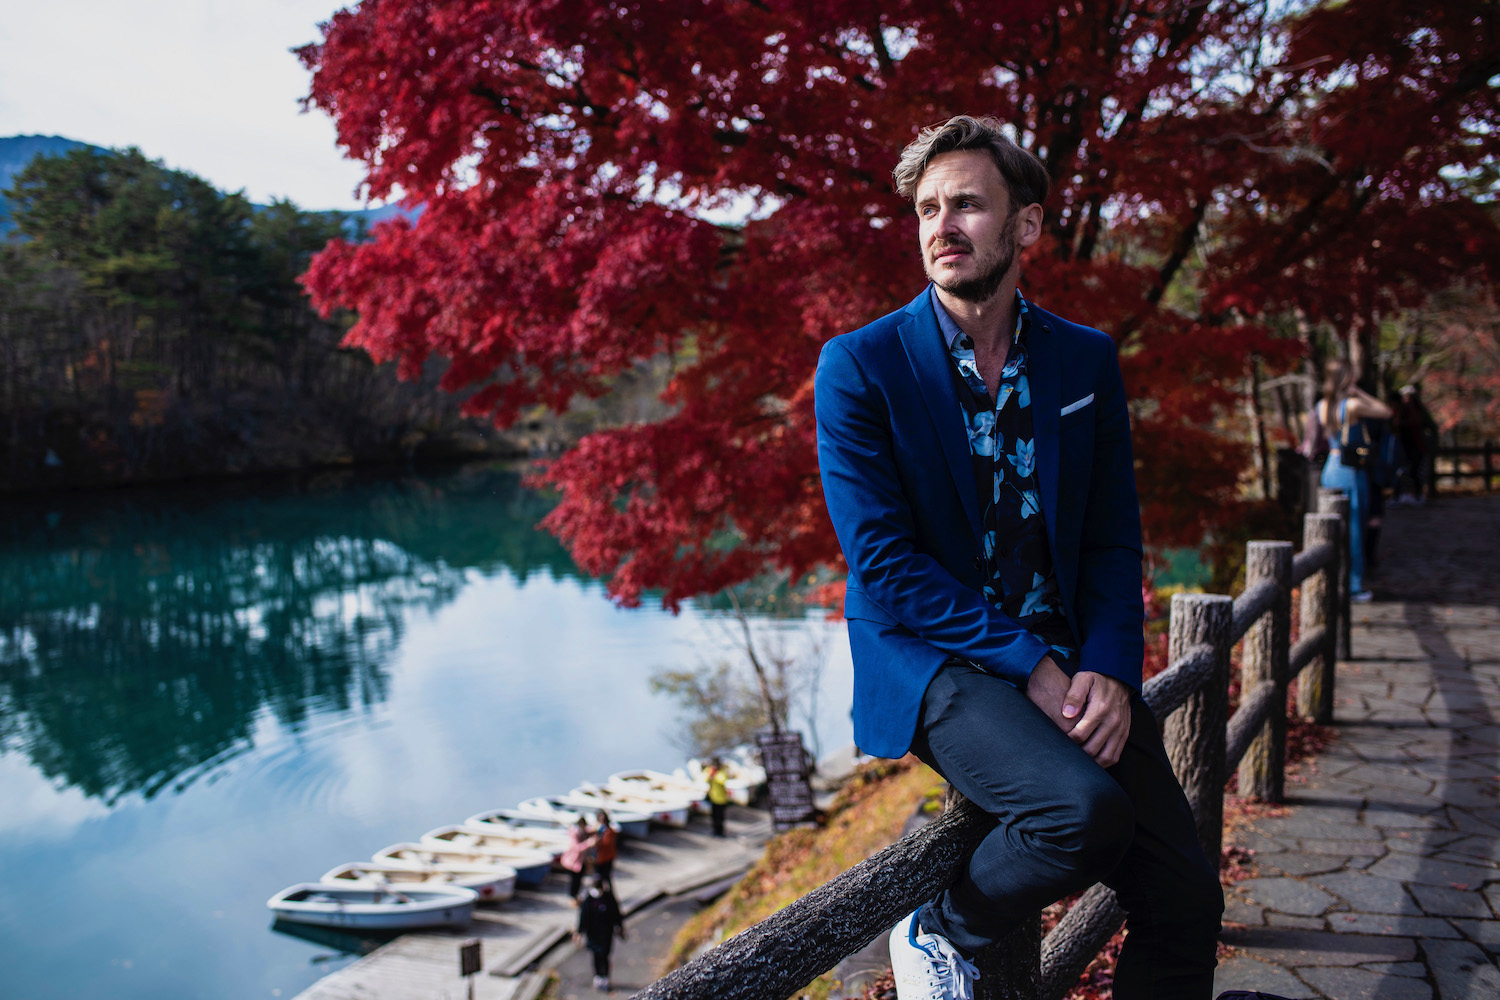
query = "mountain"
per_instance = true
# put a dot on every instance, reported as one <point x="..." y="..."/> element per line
<point x="18" y="150"/>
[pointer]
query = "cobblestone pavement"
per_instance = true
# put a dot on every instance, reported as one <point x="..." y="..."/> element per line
<point x="1382" y="878"/>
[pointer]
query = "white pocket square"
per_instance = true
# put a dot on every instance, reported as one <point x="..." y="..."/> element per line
<point x="1080" y="404"/>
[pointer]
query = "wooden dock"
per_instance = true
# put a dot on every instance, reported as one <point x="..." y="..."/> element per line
<point x="517" y="936"/>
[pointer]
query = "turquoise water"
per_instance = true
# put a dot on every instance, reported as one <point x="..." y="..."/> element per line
<point x="208" y="693"/>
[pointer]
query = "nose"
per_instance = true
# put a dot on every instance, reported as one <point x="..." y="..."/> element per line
<point x="943" y="224"/>
<point x="945" y="227"/>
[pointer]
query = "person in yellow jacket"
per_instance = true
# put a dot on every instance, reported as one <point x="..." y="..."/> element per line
<point x="718" y="794"/>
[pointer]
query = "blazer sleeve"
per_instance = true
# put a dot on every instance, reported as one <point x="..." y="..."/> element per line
<point x="1110" y="608"/>
<point x="876" y="528"/>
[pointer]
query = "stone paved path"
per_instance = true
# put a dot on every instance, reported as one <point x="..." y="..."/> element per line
<point x="1382" y="879"/>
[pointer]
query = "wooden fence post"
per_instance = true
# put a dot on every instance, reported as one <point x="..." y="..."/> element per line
<point x="1267" y="648"/>
<point x="1195" y="732"/>
<point x="1337" y="502"/>
<point x="1320" y="607"/>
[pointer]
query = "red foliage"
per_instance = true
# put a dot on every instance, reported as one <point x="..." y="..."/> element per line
<point x="1211" y="167"/>
<point x="1460" y="368"/>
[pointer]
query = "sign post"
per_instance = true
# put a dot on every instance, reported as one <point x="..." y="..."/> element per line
<point x="786" y="764"/>
<point x="469" y="962"/>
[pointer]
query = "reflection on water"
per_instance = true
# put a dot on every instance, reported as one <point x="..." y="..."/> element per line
<point x="342" y="943"/>
<point x="208" y="693"/>
<point x="143" y="633"/>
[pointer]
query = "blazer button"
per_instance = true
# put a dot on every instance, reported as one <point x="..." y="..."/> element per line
<point x="979" y="563"/>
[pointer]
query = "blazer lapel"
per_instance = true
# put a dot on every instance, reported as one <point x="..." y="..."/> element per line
<point x="1044" y="373"/>
<point x="923" y="342"/>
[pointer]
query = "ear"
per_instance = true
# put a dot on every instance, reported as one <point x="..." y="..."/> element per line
<point x="1029" y="224"/>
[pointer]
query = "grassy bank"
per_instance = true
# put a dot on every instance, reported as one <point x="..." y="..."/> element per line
<point x="867" y="816"/>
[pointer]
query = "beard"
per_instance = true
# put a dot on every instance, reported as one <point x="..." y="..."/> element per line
<point x="995" y="265"/>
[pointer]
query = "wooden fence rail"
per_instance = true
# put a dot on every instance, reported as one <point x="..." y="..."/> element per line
<point x="1488" y="470"/>
<point x="783" y="953"/>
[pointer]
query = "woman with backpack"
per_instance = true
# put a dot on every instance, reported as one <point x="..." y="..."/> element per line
<point x="1339" y="411"/>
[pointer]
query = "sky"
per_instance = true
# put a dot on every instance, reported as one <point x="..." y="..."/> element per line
<point x="206" y="86"/>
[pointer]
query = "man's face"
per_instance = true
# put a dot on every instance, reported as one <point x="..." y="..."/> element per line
<point x="967" y="228"/>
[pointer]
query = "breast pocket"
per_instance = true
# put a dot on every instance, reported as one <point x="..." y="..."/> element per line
<point x="1080" y="418"/>
<point x="1075" y="434"/>
<point x="1077" y="410"/>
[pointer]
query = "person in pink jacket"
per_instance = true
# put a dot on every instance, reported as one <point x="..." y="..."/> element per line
<point x="578" y="855"/>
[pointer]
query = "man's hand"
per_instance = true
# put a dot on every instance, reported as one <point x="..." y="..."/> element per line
<point x="1048" y="689"/>
<point x="1100" y="706"/>
<point x="1094" y="710"/>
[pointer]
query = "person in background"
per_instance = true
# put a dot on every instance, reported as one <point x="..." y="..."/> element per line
<point x="578" y="855"/>
<point x="1345" y="404"/>
<point x="599" y="919"/>
<point x="606" y="846"/>
<point x="1413" y="426"/>
<point x="718" y="794"/>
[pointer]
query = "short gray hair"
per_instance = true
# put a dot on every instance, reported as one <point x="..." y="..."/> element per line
<point x="1026" y="179"/>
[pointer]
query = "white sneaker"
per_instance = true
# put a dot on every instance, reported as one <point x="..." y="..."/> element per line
<point x="1363" y="597"/>
<point x="927" y="966"/>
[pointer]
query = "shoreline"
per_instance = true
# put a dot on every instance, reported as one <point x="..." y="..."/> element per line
<point x="527" y="939"/>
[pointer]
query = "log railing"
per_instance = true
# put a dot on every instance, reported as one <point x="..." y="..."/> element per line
<point x="783" y="953"/>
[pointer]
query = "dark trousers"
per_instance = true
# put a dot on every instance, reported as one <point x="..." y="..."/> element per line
<point x="1065" y="823"/>
<point x="601" y="951"/>
<point x="717" y="810"/>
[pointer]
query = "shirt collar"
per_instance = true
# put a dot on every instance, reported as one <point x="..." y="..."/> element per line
<point x="952" y="332"/>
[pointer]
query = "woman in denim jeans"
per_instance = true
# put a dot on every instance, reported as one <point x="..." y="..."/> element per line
<point x="1344" y="403"/>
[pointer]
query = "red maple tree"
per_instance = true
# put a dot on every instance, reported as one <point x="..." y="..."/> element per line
<point x="1215" y="164"/>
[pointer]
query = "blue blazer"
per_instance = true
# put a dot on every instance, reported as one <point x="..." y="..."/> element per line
<point x="893" y="449"/>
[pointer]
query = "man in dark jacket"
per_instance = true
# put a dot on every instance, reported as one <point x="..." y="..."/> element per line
<point x="975" y="455"/>
<point x="599" y="919"/>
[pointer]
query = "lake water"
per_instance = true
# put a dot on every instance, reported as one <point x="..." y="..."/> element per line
<point x="208" y="693"/>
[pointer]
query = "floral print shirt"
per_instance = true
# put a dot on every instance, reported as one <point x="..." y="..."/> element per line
<point x="1019" y="579"/>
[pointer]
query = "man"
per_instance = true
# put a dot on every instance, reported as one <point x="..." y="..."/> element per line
<point x="599" y="920"/>
<point x="718" y="794"/>
<point x="1414" y="426"/>
<point x="975" y="454"/>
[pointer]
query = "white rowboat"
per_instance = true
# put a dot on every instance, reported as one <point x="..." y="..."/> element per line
<point x="493" y="884"/>
<point x="666" y="811"/>
<point x="409" y="854"/>
<point x="559" y="809"/>
<point x="531" y="864"/>
<point x="644" y="781"/>
<point x="553" y="839"/>
<point x="369" y="907"/>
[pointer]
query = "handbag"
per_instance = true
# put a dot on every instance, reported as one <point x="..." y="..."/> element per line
<point x="1354" y="445"/>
